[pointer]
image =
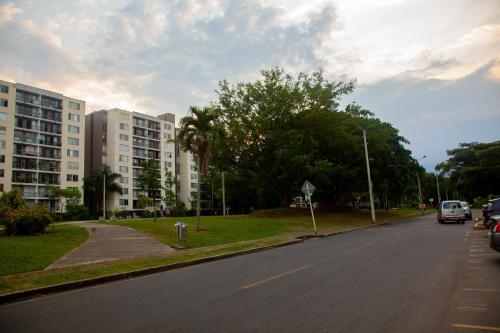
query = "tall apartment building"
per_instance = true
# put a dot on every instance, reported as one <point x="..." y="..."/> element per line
<point x="41" y="141"/>
<point x="187" y="177"/>
<point x="124" y="140"/>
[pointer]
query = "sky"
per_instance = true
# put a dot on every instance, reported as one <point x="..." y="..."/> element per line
<point x="430" y="68"/>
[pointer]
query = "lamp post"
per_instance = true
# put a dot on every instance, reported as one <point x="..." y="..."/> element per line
<point x="437" y="186"/>
<point x="372" y="207"/>
<point x="421" y="204"/>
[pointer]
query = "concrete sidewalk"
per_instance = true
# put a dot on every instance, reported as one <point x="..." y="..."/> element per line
<point x="110" y="242"/>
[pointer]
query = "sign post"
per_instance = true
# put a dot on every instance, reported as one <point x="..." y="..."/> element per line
<point x="308" y="190"/>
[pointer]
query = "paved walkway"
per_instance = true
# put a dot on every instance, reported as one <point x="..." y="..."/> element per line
<point x="110" y="242"/>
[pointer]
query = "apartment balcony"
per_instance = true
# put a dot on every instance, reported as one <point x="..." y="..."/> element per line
<point x="27" y="137"/>
<point x="53" y="103"/>
<point x="28" y="111"/>
<point x="50" y="128"/>
<point x="51" y="115"/>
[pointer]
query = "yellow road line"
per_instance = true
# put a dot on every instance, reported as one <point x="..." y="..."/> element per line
<point x="477" y="327"/>
<point x="275" y="277"/>
<point x="485" y="290"/>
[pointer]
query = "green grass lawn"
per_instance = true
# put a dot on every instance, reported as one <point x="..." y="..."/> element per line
<point x="28" y="253"/>
<point x="217" y="230"/>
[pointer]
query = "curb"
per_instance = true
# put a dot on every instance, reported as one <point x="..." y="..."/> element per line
<point x="43" y="291"/>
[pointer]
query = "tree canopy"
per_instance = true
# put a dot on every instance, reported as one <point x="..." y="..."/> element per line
<point x="474" y="168"/>
<point x="281" y="130"/>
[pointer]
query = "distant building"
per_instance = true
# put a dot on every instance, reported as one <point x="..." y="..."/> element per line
<point x="41" y="141"/>
<point x="124" y="140"/>
<point x="187" y="177"/>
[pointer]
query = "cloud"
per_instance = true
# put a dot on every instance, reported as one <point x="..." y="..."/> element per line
<point x="436" y="115"/>
<point x="8" y="11"/>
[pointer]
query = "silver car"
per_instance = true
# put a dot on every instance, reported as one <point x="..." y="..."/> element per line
<point x="451" y="210"/>
<point x="467" y="210"/>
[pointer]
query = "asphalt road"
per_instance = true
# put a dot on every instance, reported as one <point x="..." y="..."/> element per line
<point x="404" y="277"/>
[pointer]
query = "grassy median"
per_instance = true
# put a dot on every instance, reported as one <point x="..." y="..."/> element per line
<point x="29" y="253"/>
<point x="218" y="230"/>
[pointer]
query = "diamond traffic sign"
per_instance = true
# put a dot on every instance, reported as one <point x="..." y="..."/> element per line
<point x="308" y="188"/>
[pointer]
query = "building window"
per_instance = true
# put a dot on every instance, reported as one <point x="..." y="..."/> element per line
<point x="123" y="169"/>
<point x="167" y="136"/>
<point x="124" y="137"/>
<point x="73" y="165"/>
<point x="123" y="158"/>
<point x="74" y="106"/>
<point x="73" y="129"/>
<point x="124" y="126"/>
<point x="2" y="172"/>
<point x="72" y="178"/>
<point x="125" y="191"/>
<point x="73" y="153"/>
<point x="124" y="180"/>
<point x="73" y="141"/>
<point x="168" y="146"/>
<point x="1" y="187"/>
<point x="123" y="148"/>
<point x="4" y="102"/>
<point x="124" y="116"/>
<point x="168" y="164"/>
<point x="3" y="116"/>
<point x="73" y="117"/>
<point x="168" y="155"/>
<point x="194" y="176"/>
<point x="2" y="144"/>
<point x="3" y="130"/>
<point x="123" y="202"/>
<point x="194" y="185"/>
<point x="4" y="89"/>
<point x="2" y="158"/>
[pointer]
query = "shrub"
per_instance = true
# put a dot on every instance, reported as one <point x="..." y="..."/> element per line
<point x="26" y="220"/>
<point x="76" y="212"/>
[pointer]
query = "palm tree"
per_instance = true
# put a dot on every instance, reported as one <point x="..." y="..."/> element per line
<point x="93" y="184"/>
<point x="195" y="135"/>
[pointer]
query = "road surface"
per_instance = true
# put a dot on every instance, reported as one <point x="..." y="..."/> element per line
<point x="414" y="276"/>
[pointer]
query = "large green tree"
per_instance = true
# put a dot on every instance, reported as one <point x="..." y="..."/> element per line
<point x="149" y="181"/>
<point x="282" y="129"/>
<point x="473" y="168"/>
<point x="196" y="134"/>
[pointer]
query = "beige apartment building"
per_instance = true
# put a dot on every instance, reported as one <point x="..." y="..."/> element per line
<point x="187" y="177"/>
<point x="124" y="140"/>
<point x="41" y="141"/>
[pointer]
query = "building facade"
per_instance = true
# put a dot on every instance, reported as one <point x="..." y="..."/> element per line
<point x="187" y="178"/>
<point x="41" y="142"/>
<point x="124" y="140"/>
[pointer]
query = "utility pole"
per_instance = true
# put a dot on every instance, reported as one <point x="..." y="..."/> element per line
<point x="369" y="178"/>
<point x="420" y="195"/>
<point x="223" y="196"/>
<point x="104" y="198"/>
<point x="439" y="192"/>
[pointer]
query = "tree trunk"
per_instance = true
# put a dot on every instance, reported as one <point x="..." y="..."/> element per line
<point x="198" y="197"/>
<point x="154" y="204"/>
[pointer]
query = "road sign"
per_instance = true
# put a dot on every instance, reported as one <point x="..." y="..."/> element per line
<point x="308" y="188"/>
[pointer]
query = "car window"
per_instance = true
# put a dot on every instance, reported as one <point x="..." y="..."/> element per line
<point x="451" y="205"/>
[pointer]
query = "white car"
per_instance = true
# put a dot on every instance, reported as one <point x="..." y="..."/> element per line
<point x="451" y="210"/>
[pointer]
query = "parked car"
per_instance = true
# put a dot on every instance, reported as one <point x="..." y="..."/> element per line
<point x="467" y="210"/>
<point x="494" y="234"/>
<point x="489" y="210"/>
<point x="451" y="210"/>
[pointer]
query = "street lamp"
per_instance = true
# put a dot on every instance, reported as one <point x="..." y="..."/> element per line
<point x="372" y="207"/>
<point x="437" y="186"/>
<point x="421" y="204"/>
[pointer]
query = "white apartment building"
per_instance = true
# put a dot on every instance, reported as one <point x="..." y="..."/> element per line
<point x="187" y="177"/>
<point x="124" y="140"/>
<point x="41" y="141"/>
